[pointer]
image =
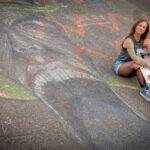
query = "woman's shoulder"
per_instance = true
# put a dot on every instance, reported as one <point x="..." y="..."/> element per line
<point x="128" y="41"/>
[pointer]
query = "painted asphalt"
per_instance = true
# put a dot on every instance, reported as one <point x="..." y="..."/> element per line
<point x="58" y="89"/>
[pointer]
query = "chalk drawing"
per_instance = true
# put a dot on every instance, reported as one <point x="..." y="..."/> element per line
<point x="44" y="61"/>
<point x="122" y="82"/>
<point x="139" y="114"/>
<point x="79" y="23"/>
<point x="8" y="124"/>
<point x="25" y="2"/>
<point x="93" y="107"/>
<point x="57" y="72"/>
<point x="10" y="90"/>
<point x="94" y="110"/>
<point x="50" y="60"/>
<point x="93" y="52"/>
<point x="99" y="19"/>
<point x="89" y="20"/>
<point x="98" y="4"/>
<point x="52" y="6"/>
<point x="14" y="140"/>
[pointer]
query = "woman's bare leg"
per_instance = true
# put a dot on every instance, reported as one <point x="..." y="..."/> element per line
<point x="127" y="68"/>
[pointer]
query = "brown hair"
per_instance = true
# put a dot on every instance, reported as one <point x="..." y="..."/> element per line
<point x="132" y="30"/>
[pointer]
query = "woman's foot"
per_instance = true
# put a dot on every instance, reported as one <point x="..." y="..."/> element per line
<point x="145" y="92"/>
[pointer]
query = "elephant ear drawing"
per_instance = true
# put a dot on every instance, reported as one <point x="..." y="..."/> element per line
<point x="35" y="57"/>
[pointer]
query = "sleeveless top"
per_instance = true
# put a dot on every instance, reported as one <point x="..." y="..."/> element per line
<point x="124" y="55"/>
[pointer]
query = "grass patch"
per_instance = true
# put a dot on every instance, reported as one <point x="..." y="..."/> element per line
<point x="130" y="82"/>
<point x="50" y="7"/>
<point x="11" y="90"/>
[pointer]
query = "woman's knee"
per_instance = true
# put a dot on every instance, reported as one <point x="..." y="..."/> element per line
<point x="135" y="66"/>
<point x="128" y="68"/>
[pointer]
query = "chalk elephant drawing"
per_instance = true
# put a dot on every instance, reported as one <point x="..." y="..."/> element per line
<point x="39" y="55"/>
<point x="35" y="57"/>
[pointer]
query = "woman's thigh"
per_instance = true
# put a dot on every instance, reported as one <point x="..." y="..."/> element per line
<point x="126" y="69"/>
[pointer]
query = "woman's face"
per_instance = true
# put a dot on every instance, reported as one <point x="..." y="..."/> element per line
<point x="141" y="27"/>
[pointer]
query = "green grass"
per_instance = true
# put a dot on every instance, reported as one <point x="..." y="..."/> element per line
<point x="130" y="82"/>
<point x="11" y="90"/>
<point x="50" y="7"/>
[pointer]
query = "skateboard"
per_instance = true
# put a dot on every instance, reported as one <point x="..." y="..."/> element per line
<point x="145" y="70"/>
<point x="146" y="73"/>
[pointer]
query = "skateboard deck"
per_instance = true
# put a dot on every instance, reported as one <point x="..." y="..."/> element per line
<point x="145" y="70"/>
<point x="146" y="73"/>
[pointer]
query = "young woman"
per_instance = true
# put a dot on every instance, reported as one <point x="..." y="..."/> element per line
<point x="127" y="61"/>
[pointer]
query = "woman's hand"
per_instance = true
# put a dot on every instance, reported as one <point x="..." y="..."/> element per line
<point x="148" y="63"/>
<point x="147" y="60"/>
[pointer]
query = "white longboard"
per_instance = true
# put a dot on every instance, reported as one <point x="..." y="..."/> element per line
<point x="145" y="70"/>
<point x="146" y="73"/>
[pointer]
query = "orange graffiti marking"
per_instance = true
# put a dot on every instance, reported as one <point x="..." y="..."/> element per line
<point x="112" y="18"/>
<point x="96" y="53"/>
<point x="79" y="25"/>
<point x="78" y="53"/>
<point x="31" y="62"/>
<point x="117" y="46"/>
<point x="40" y="33"/>
<point x="4" y="94"/>
<point x="82" y="48"/>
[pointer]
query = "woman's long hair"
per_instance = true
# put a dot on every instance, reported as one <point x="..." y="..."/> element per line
<point x="132" y="30"/>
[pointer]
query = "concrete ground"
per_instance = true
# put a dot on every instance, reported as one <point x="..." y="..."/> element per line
<point x="58" y="90"/>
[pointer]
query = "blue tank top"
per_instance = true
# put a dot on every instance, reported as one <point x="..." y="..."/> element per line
<point x="124" y="55"/>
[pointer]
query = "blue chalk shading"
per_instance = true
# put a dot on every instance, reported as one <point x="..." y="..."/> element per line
<point x="98" y="109"/>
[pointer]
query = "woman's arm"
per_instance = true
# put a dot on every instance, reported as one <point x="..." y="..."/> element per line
<point x="147" y="45"/>
<point x="128" y="43"/>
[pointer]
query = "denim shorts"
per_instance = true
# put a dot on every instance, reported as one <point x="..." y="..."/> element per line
<point x="117" y="65"/>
